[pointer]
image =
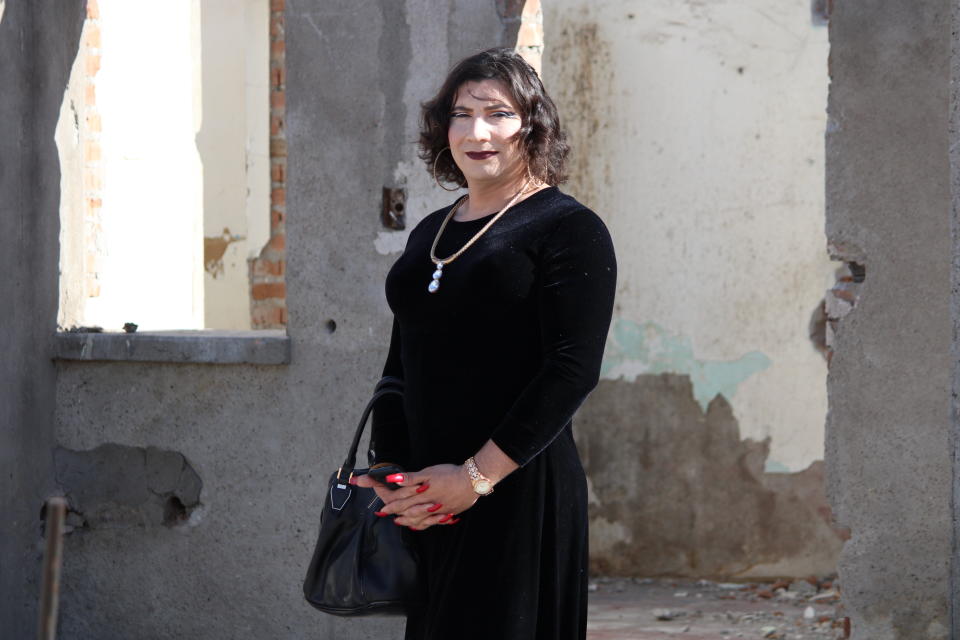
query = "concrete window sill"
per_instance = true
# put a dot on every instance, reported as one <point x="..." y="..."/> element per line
<point x="196" y="347"/>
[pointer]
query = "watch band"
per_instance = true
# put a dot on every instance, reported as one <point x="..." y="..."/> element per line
<point x="482" y="485"/>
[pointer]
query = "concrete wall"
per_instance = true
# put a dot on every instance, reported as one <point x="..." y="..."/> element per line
<point x="697" y="135"/>
<point x="38" y="43"/>
<point x="262" y="440"/>
<point x="888" y="203"/>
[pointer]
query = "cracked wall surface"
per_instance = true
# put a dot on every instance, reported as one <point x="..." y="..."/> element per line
<point x="676" y="491"/>
<point x="696" y="132"/>
<point x="117" y="486"/>
<point x="888" y="203"/>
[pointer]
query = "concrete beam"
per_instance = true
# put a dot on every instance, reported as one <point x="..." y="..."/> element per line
<point x="209" y="347"/>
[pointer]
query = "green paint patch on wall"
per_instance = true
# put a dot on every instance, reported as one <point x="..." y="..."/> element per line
<point x="637" y="349"/>
<point x="772" y="466"/>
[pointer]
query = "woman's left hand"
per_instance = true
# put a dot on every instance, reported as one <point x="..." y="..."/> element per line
<point x="444" y="491"/>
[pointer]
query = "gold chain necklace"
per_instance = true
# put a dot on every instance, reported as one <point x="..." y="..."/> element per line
<point x="434" y="285"/>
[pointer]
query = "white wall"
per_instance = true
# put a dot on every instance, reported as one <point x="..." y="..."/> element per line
<point x="698" y="136"/>
<point x="234" y="145"/>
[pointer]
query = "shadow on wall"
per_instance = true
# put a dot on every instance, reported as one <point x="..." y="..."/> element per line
<point x="674" y="491"/>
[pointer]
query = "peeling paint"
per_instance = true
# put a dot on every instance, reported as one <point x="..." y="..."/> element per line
<point x="637" y="349"/>
<point x="772" y="466"/>
<point x="214" y="248"/>
<point x="677" y="491"/>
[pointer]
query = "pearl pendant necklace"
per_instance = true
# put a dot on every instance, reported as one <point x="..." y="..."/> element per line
<point x="434" y="285"/>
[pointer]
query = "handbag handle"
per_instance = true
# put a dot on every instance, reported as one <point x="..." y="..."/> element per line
<point x="386" y="386"/>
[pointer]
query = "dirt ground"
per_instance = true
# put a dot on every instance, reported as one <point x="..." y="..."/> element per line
<point x="632" y="609"/>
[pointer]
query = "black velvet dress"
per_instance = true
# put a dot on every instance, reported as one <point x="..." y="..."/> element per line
<point x="507" y="349"/>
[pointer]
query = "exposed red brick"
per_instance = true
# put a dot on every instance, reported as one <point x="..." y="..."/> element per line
<point x="277" y="49"/>
<point x="530" y="34"/>
<point x="276" y="124"/>
<point x="278" y="172"/>
<point x="276" y="5"/>
<point x="263" y="267"/>
<point x="91" y="181"/>
<point x="278" y="196"/>
<point x="264" y="290"/>
<point x="92" y="64"/>
<point x="278" y="77"/>
<point x="91" y="37"/>
<point x="91" y="151"/>
<point x="278" y="242"/>
<point x="278" y="99"/>
<point x="93" y="10"/>
<point x="90" y="94"/>
<point x="278" y="148"/>
<point x="268" y="316"/>
<point x="94" y="123"/>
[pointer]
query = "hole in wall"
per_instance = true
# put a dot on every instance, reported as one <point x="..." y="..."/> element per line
<point x="331" y="326"/>
<point x="174" y="512"/>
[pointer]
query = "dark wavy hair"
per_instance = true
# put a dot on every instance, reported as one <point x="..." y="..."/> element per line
<point x="542" y="141"/>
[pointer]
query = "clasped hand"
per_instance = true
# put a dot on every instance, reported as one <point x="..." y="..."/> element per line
<point x="434" y="495"/>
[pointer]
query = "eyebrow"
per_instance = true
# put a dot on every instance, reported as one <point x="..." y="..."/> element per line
<point x="495" y="106"/>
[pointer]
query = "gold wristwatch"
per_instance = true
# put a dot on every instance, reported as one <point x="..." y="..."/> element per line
<point x="482" y="485"/>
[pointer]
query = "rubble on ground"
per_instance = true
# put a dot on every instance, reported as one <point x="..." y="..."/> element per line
<point x="639" y="608"/>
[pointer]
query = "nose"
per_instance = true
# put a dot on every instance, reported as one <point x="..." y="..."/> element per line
<point x="478" y="130"/>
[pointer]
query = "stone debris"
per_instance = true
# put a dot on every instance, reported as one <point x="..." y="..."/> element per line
<point x="639" y="609"/>
<point x="667" y="614"/>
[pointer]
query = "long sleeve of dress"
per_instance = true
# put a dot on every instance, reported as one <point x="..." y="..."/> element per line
<point x="389" y="440"/>
<point x="575" y="302"/>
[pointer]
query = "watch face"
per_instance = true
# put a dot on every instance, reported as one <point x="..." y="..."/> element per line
<point x="482" y="486"/>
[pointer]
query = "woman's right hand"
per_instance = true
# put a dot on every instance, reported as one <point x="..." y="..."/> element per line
<point x="385" y="493"/>
<point x="425" y="498"/>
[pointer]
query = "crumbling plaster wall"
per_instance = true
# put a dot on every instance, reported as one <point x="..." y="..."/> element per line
<point x="888" y="203"/>
<point x="38" y="43"/>
<point x="697" y="135"/>
<point x="264" y="439"/>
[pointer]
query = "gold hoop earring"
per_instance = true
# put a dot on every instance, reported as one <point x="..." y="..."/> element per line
<point x="437" y="180"/>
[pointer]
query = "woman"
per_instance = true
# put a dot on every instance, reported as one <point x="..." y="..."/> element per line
<point x="501" y="304"/>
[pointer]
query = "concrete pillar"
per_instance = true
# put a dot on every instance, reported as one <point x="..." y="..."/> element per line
<point x="888" y="203"/>
<point x="38" y="43"/>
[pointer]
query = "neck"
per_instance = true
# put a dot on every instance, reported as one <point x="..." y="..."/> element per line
<point x="486" y="198"/>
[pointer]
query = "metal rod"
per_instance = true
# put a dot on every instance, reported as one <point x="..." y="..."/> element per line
<point x="52" y="560"/>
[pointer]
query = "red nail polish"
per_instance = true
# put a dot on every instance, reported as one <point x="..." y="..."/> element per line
<point x="422" y="488"/>
<point x="395" y="477"/>
<point x="411" y="528"/>
<point x="397" y="523"/>
<point x="435" y="507"/>
<point x="455" y="521"/>
<point x="446" y="517"/>
<point x="380" y="513"/>
<point x="352" y="480"/>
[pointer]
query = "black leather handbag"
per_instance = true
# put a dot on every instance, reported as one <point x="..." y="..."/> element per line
<point x="362" y="564"/>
